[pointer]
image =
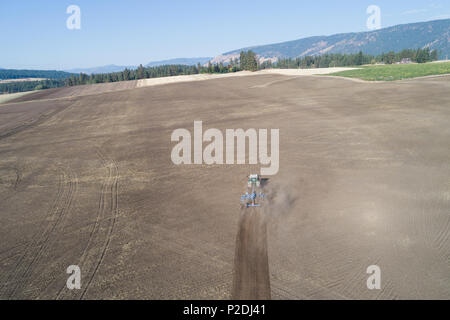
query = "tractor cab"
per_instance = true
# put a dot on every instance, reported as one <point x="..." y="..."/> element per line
<point x="254" y="179"/>
<point x="254" y="195"/>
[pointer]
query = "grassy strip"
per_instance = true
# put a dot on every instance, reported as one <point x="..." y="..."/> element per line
<point x="396" y="71"/>
<point x="11" y="96"/>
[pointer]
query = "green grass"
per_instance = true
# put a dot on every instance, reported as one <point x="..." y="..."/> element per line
<point x="396" y="71"/>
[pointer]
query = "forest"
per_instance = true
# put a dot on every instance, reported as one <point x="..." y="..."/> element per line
<point x="22" y="86"/>
<point x="358" y="59"/>
<point x="247" y="61"/>
<point x="21" y="74"/>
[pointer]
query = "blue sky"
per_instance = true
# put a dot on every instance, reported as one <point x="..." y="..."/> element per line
<point x="34" y="33"/>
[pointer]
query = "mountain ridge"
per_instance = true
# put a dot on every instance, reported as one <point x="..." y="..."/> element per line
<point x="434" y="34"/>
<point x="101" y="69"/>
<point x="184" y="61"/>
<point x="116" y="68"/>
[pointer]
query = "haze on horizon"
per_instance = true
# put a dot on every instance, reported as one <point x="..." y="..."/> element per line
<point x="135" y="32"/>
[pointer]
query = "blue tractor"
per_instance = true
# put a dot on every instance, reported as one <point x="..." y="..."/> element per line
<point x="254" y="195"/>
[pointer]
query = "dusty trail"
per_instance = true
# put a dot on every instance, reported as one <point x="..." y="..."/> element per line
<point x="251" y="263"/>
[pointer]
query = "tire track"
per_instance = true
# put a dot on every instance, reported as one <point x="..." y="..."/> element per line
<point x="13" y="184"/>
<point x="61" y="225"/>
<point x="107" y="205"/>
<point x="71" y="182"/>
<point x="387" y="291"/>
<point x="113" y="188"/>
<point x="30" y="123"/>
<point x="265" y="85"/>
<point x="354" y="286"/>
<point x="251" y="264"/>
<point x="33" y="252"/>
<point x="95" y="229"/>
<point x="18" y="178"/>
<point x="34" y="242"/>
<point x="9" y="254"/>
<point x="12" y="248"/>
<point x="442" y="237"/>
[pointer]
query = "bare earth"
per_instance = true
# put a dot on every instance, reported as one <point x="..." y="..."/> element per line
<point x="86" y="179"/>
<point x="83" y="90"/>
<point x="251" y="279"/>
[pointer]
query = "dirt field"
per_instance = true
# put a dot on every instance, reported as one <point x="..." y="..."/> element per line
<point x="251" y="266"/>
<point x="84" y="90"/>
<point x="364" y="180"/>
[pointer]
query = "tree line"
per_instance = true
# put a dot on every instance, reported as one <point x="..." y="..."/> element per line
<point x="358" y="59"/>
<point x="145" y="73"/>
<point x="21" y="74"/>
<point x="22" y="86"/>
<point x="247" y="61"/>
<point x="419" y="56"/>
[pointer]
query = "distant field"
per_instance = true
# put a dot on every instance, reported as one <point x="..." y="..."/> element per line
<point x="396" y="71"/>
<point x="8" y="97"/>
<point x="22" y="80"/>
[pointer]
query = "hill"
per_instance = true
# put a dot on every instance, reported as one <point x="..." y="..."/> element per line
<point x="115" y="68"/>
<point x="433" y="34"/>
<point x="21" y="74"/>
<point x="178" y="61"/>
<point x="102" y="69"/>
